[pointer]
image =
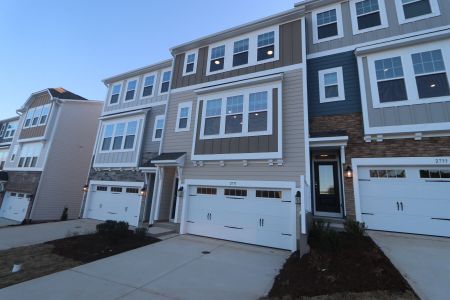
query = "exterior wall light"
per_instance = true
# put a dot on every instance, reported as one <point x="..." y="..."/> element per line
<point x="142" y="192"/>
<point x="85" y="188"/>
<point x="348" y="172"/>
<point x="298" y="198"/>
<point x="180" y="192"/>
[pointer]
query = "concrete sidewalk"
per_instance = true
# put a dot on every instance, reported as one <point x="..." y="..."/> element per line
<point x="423" y="260"/>
<point x="184" y="267"/>
<point x="18" y="236"/>
<point x="7" y="222"/>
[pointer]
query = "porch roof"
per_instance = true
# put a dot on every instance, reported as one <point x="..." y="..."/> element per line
<point x="169" y="159"/>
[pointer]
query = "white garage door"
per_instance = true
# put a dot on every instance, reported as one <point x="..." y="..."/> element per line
<point x="118" y="203"/>
<point x="248" y="215"/>
<point x="406" y="199"/>
<point x="15" y="206"/>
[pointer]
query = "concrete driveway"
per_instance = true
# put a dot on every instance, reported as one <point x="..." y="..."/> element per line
<point x="17" y="236"/>
<point x="424" y="261"/>
<point x="177" y="268"/>
<point x="7" y="222"/>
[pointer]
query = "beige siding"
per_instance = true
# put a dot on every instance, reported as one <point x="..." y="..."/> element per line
<point x="147" y="143"/>
<point x="68" y="161"/>
<point x="293" y="140"/>
<point x="38" y="131"/>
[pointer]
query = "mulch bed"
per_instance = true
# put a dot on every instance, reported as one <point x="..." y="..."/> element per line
<point x="354" y="266"/>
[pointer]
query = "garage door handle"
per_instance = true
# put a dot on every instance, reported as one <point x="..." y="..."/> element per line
<point x="232" y="227"/>
<point x="401" y="205"/>
<point x="398" y="206"/>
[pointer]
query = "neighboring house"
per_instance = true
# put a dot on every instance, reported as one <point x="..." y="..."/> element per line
<point x="8" y="129"/>
<point x="121" y="179"/>
<point x="49" y="157"/>
<point x="379" y="112"/>
<point x="233" y="149"/>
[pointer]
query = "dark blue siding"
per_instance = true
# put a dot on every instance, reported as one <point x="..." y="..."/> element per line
<point x="352" y="102"/>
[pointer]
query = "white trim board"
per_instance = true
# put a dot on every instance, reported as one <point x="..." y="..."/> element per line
<point x="435" y="11"/>
<point x="381" y="11"/>
<point x="339" y="23"/>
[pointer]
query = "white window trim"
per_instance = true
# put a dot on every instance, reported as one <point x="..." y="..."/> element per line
<point x="354" y="15"/>
<point x="245" y="92"/>
<point x="7" y="131"/>
<point x="252" y="50"/>
<point x="157" y="118"/>
<point x="111" y="91"/>
<point x="188" y="126"/>
<point x="408" y="73"/>
<point x="41" y="107"/>
<point x="194" y="71"/>
<point x="435" y="11"/>
<point x="248" y="51"/>
<point x="115" y="122"/>
<point x="340" y="26"/>
<point x="141" y="90"/>
<point x="136" y="89"/>
<point x="340" y="84"/>
<point x="161" y="80"/>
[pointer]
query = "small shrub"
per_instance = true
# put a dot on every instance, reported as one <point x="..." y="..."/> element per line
<point x="65" y="214"/>
<point x="113" y="230"/>
<point x="322" y="237"/>
<point x="354" y="229"/>
<point x="141" y="232"/>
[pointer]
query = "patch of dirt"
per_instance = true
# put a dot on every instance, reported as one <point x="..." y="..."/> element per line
<point x="355" y="266"/>
<point x="59" y="255"/>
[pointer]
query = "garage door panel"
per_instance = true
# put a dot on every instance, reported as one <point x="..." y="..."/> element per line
<point x="15" y="206"/>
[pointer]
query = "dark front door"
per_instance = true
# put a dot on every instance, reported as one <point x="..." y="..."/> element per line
<point x="326" y="184"/>
<point x="174" y="200"/>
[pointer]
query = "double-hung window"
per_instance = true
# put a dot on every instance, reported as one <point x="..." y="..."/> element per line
<point x="44" y="114"/>
<point x="130" y="135"/>
<point x="190" y="64"/>
<point x="266" y="45"/>
<point x="107" y="137"/>
<point x="184" y="116"/>
<point x="131" y="90"/>
<point x="148" y="83"/>
<point x="2" y="129"/>
<point x="368" y="15"/>
<point x="158" y="128"/>
<point x="327" y="24"/>
<point x="390" y="80"/>
<point x="234" y="114"/>
<point x="217" y="61"/>
<point x="431" y="76"/>
<point x="29" y="155"/>
<point x="29" y="117"/>
<point x="213" y="117"/>
<point x="331" y="85"/>
<point x="10" y="130"/>
<point x="36" y="116"/>
<point x="413" y="10"/>
<point x="240" y="52"/>
<point x="115" y="93"/>
<point x="165" y="82"/>
<point x="119" y="136"/>
<point x="257" y="118"/>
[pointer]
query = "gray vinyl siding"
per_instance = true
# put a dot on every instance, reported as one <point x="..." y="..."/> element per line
<point x="150" y="146"/>
<point x="67" y="166"/>
<point x="290" y="53"/>
<point x="352" y="102"/>
<point x="138" y="101"/>
<point x="293" y="140"/>
<point x="426" y="113"/>
<point x="394" y="28"/>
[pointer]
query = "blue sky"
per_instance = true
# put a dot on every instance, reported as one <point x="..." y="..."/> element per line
<point x="76" y="44"/>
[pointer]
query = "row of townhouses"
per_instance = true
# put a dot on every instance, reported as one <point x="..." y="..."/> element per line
<point x="332" y="110"/>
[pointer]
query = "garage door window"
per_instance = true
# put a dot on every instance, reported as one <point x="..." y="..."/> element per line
<point x="132" y="190"/>
<point x="269" y="194"/>
<point x="206" y="191"/>
<point x="435" y="174"/>
<point x="390" y="173"/>
<point x="115" y="189"/>
<point x="235" y="192"/>
<point x="102" y="188"/>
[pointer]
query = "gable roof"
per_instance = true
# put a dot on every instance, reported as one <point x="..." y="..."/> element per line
<point x="62" y="93"/>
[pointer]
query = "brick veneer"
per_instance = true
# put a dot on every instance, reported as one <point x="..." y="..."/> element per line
<point x="358" y="148"/>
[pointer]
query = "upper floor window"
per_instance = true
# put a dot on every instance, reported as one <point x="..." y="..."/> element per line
<point x="240" y="52"/>
<point x="165" y="82"/>
<point x="190" y="63"/>
<point x="431" y="76"/>
<point x="390" y="80"/>
<point x="368" y="15"/>
<point x="115" y="93"/>
<point x="217" y="58"/>
<point x="212" y="117"/>
<point x="147" y="86"/>
<point x="327" y="24"/>
<point x="10" y="130"/>
<point x="414" y="10"/>
<point x="235" y="109"/>
<point x="29" y="155"/>
<point x="266" y="45"/>
<point x="37" y="116"/>
<point x="131" y="90"/>
<point x="331" y="85"/>
<point x="183" y="116"/>
<point x="158" y="128"/>
<point x="119" y="136"/>
<point x="2" y="129"/>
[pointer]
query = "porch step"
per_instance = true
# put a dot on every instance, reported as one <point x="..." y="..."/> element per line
<point x="166" y="225"/>
<point x="335" y="223"/>
<point x="163" y="230"/>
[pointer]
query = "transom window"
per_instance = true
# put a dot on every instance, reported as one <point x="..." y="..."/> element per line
<point x="148" y="86"/>
<point x="217" y="58"/>
<point x="119" y="136"/>
<point x="390" y="173"/>
<point x="116" y="189"/>
<point x="431" y="77"/>
<point x="266" y="45"/>
<point x="190" y="63"/>
<point x="158" y="128"/>
<point x="235" y="192"/>
<point x="368" y="15"/>
<point x="206" y="191"/>
<point x="165" y="81"/>
<point x="37" y="116"/>
<point x="115" y="93"/>
<point x="184" y="116"/>
<point x="131" y="90"/>
<point x="391" y="82"/>
<point x="269" y="194"/>
<point x="331" y="85"/>
<point x="435" y="174"/>
<point x="240" y="52"/>
<point x="132" y="190"/>
<point x="102" y="188"/>
<point x="241" y="113"/>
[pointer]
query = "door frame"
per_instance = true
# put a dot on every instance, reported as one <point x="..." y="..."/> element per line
<point x="339" y="175"/>
<point x="173" y="209"/>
